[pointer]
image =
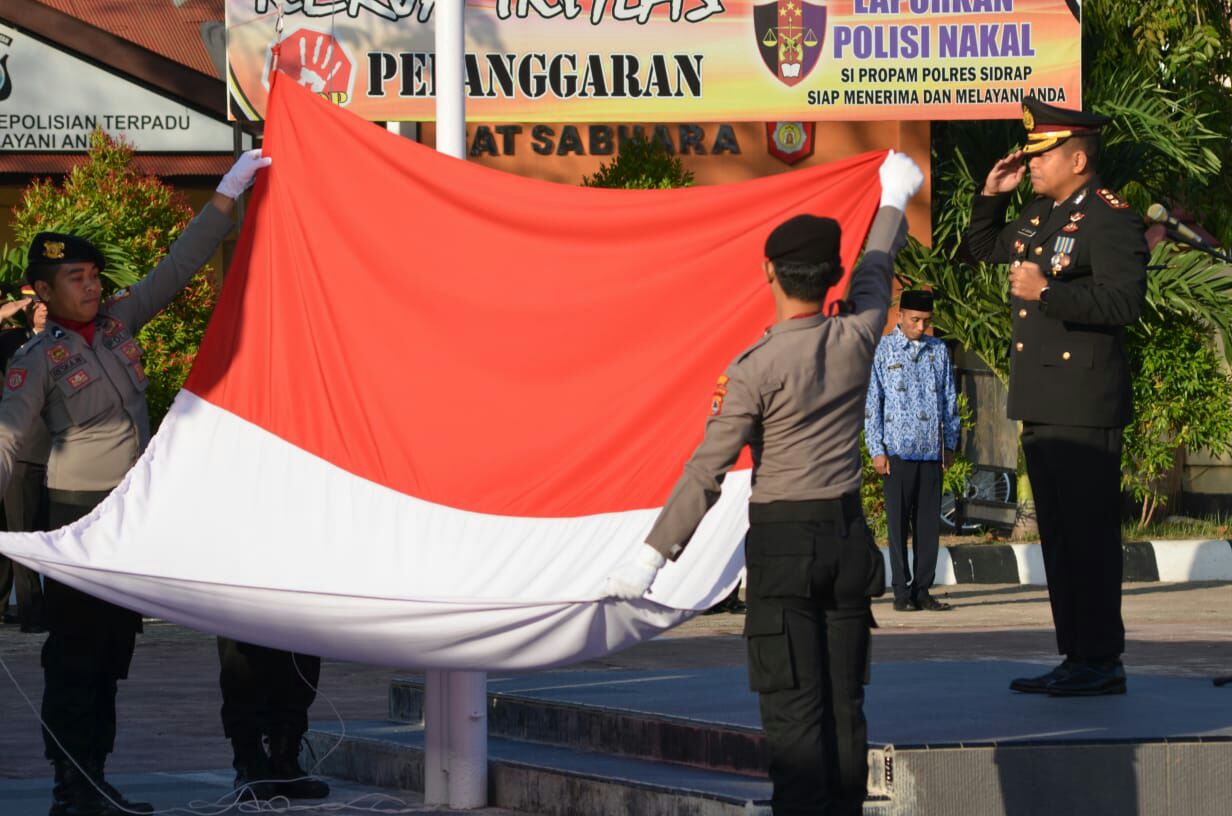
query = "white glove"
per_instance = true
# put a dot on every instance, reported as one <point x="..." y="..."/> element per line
<point x="239" y="177"/>
<point x="901" y="178"/>
<point x="633" y="578"/>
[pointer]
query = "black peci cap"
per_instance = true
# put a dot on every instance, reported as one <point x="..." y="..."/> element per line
<point x="805" y="239"/>
<point x="1048" y="126"/>
<point x="60" y="247"/>
<point x="918" y="300"/>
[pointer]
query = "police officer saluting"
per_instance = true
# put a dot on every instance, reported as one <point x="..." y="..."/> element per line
<point x="796" y="396"/>
<point x="83" y="376"/>
<point x="1077" y="276"/>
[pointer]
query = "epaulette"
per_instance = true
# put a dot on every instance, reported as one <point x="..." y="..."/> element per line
<point x="28" y="346"/>
<point x="761" y="341"/>
<point x="1111" y="199"/>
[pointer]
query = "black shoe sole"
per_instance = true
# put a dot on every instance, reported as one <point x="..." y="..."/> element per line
<point x="1025" y="689"/>
<point x="1100" y="692"/>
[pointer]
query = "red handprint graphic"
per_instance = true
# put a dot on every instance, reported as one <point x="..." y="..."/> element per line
<point x="318" y="61"/>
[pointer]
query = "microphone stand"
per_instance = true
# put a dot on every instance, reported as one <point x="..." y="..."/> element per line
<point x="1201" y="246"/>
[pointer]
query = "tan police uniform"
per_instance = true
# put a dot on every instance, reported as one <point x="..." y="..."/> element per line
<point x="796" y="397"/>
<point x="91" y="396"/>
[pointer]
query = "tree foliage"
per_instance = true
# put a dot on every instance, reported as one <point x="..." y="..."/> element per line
<point x="133" y="219"/>
<point x="641" y="165"/>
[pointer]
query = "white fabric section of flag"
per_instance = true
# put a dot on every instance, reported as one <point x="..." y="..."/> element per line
<point x="225" y="527"/>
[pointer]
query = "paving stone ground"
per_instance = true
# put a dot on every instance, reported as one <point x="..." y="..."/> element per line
<point x="168" y="709"/>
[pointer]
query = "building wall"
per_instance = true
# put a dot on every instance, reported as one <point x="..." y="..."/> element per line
<point x="833" y="140"/>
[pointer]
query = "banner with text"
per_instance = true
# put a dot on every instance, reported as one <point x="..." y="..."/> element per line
<point x="668" y="60"/>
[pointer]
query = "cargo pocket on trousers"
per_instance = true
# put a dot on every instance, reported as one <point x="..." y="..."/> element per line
<point x="771" y="667"/>
<point x="779" y="559"/>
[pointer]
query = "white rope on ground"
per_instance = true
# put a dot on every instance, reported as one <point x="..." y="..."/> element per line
<point x="241" y="799"/>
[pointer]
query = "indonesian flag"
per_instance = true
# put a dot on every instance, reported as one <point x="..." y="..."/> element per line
<point x="437" y="405"/>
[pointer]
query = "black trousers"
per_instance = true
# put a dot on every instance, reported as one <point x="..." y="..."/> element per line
<point x="88" y="649"/>
<point x="25" y="509"/>
<point x="262" y="692"/>
<point x="1076" y="480"/>
<point x="913" y="506"/>
<point x="812" y="567"/>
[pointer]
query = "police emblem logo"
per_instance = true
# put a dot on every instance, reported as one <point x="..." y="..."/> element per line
<point x="53" y="250"/>
<point x="112" y="327"/>
<point x="78" y="378"/>
<point x="120" y="294"/>
<point x="131" y="350"/>
<point x="57" y="353"/>
<point x="790" y="142"/>
<point x="1028" y="121"/>
<point x="789" y="35"/>
<point x="1035" y="221"/>
<point x="16" y="378"/>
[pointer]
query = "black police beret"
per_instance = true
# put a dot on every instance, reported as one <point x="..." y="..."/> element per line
<point x="1047" y="125"/>
<point x="59" y="247"/>
<point x="805" y="239"/>
<point x="917" y="300"/>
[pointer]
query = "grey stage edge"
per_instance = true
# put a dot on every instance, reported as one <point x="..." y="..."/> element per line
<point x="949" y="739"/>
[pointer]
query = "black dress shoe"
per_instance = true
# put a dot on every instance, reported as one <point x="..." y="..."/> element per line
<point x="1091" y="680"/>
<point x="930" y="604"/>
<point x="10" y="618"/>
<point x="1039" y="685"/>
<point x="905" y="605"/>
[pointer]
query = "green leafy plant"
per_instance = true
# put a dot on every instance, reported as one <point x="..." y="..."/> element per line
<point x="133" y="219"/>
<point x="641" y="165"/>
<point x="1181" y="387"/>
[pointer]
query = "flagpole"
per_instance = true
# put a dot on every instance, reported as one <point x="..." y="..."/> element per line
<point x="455" y="703"/>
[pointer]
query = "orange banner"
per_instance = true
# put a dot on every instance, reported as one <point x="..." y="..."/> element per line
<point x="668" y="60"/>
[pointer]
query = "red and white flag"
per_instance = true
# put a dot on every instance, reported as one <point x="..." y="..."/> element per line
<point x="437" y="404"/>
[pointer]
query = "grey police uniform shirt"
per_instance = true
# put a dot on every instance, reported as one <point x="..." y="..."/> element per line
<point x="92" y="396"/>
<point x="796" y="398"/>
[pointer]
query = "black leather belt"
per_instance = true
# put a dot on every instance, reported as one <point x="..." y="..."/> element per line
<point x="842" y="510"/>
<point x="77" y="498"/>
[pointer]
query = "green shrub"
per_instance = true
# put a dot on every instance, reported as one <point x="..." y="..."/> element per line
<point x="641" y="165"/>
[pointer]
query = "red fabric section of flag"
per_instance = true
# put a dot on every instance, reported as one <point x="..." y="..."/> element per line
<point x="485" y="341"/>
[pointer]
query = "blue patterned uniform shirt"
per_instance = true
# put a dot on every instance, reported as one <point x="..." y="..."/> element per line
<point x="912" y="402"/>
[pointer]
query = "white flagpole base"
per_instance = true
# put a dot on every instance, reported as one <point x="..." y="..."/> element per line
<point x="455" y="703"/>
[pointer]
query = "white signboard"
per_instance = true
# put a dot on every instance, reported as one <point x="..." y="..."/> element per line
<point x="50" y="101"/>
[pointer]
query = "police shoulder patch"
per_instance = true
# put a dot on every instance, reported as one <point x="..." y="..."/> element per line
<point x="120" y="294"/>
<point x="720" y="392"/>
<point x="16" y="378"/>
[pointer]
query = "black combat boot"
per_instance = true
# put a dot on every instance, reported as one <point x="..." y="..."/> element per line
<point x="112" y="801"/>
<point x="293" y="781"/>
<point x="72" y="794"/>
<point x="252" y="768"/>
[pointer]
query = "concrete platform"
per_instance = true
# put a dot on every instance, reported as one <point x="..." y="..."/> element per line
<point x="949" y="739"/>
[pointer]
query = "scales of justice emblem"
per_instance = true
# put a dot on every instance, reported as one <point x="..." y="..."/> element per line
<point x="790" y="34"/>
